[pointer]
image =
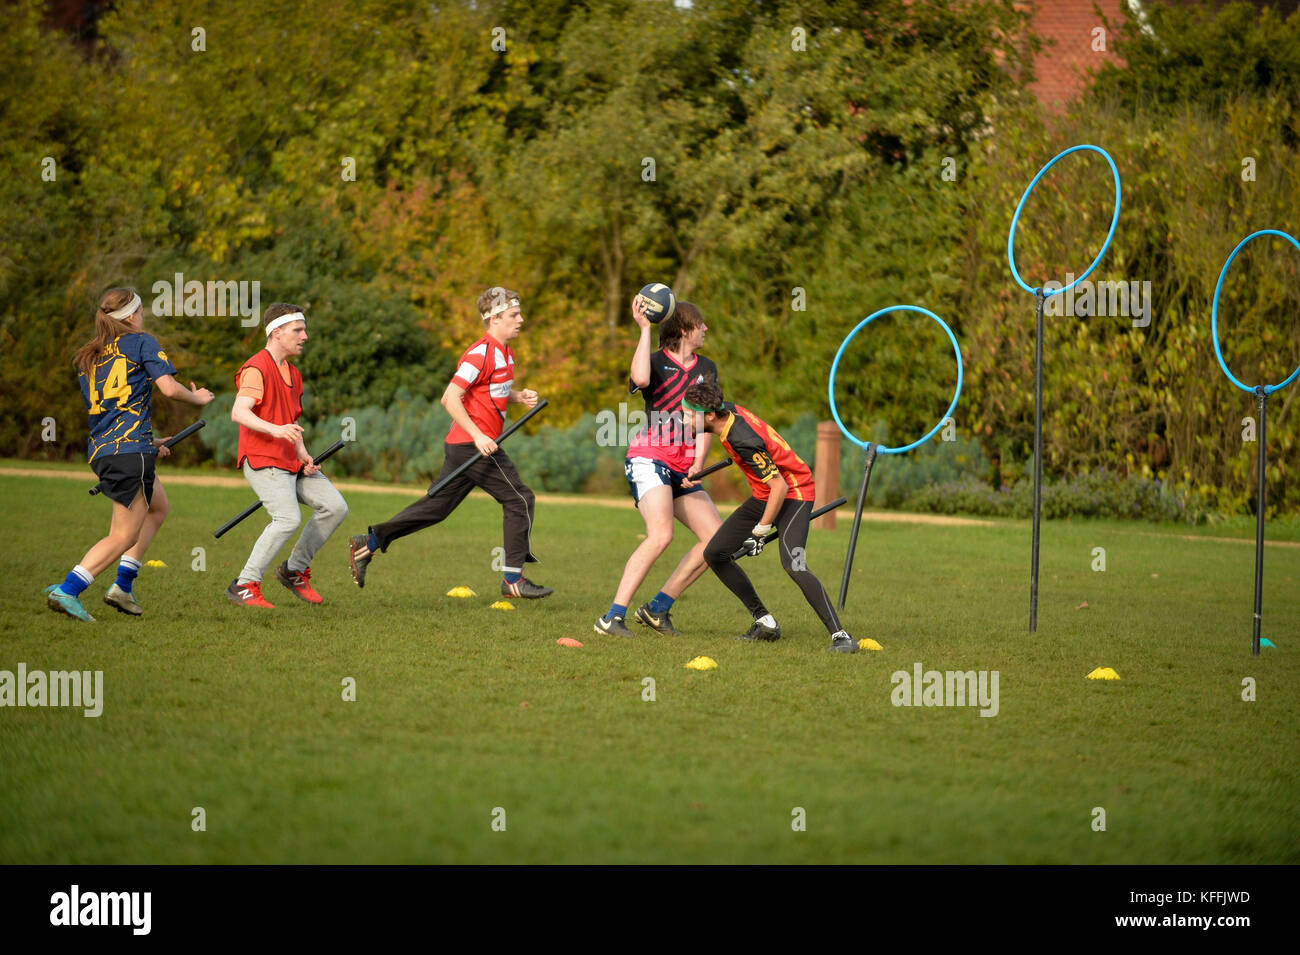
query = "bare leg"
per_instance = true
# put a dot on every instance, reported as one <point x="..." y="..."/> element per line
<point x="153" y="519"/>
<point x="697" y="512"/>
<point x="657" y="512"/>
<point x="123" y="533"/>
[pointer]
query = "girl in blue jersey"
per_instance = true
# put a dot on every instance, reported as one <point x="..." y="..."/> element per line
<point x="117" y="371"/>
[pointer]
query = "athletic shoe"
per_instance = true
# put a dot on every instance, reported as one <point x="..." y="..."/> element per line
<point x="122" y="600"/>
<point x="249" y="594"/>
<point x="56" y="599"/>
<point x="299" y="581"/>
<point x="760" y="632"/>
<point x="525" y="588"/>
<point x="657" y="621"/>
<point x="841" y="642"/>
<point x="358" y="564"/>
<point x="613" y="625"/>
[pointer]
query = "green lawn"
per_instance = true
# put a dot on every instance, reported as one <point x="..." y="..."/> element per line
<point x="240" y="711"/>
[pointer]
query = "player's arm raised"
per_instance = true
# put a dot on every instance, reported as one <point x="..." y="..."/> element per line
<point x="640" y="373"/>
<point x="453" y="401"/>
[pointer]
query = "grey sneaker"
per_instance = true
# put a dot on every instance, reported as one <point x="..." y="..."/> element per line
<point x="657" y="621"/>
<point x="358" y="564"/>
<point x="613" y="625"/>
<point x="841" y="642"/>
<point x="760" y="632"/>
<point x="525" y="588"/>
<point x="115" y="596"/>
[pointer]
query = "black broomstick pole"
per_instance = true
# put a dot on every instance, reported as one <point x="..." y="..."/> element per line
<point x="857" y="521"/>
<point x="1038" y="458"/>
<point x="1261" y="454"/>
<point x="175" y="439"/>
<point x="775" y="533"/>
<point x="433" y="491"/>
<point x="325" y="455"/>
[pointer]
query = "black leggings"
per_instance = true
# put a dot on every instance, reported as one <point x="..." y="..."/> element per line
<point x="792" y="522"/>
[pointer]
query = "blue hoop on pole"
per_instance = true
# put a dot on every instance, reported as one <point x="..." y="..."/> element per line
<point x="1015" y="220"/>
<point x="1214" y="313"/>
<point x="836" y="364"/>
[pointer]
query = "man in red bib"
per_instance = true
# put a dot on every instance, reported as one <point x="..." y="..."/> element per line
<point x="276" y="463"/>
<point x="476" y="399"/>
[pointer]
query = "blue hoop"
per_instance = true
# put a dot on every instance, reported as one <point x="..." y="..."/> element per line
<point x="836" y="364"/>
<point x="1214" y="313"/>
<point x="1015" y="220"/>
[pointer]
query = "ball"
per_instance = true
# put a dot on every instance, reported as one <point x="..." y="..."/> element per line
<point x="658" y="301"/>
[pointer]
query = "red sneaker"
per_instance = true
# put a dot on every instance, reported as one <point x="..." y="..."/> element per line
<point x="299" y="582"/>
<point x="249" y="594"/>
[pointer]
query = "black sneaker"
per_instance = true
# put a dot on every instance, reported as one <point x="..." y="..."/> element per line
<point x="613" y="625"/>
<point x="657" y="621"/>
<point x="841" y="642"/>
<point x="358" y="565"/>
<point x="760" y="632"/>
<point x="525" y="588"/>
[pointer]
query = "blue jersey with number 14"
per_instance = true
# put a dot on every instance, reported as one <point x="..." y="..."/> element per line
<point x="118" y="392"/>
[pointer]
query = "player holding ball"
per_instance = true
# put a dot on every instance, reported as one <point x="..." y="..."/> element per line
<point x="661" y="458"/>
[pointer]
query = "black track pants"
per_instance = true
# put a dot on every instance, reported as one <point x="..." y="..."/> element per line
<point x="792" y="522"/>
<point x="495" y="474"/>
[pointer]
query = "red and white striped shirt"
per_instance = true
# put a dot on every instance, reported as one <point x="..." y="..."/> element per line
<point x="487" y="373"/>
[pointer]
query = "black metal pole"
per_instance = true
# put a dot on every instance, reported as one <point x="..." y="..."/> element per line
<point x="519" y="423"/>
<point x="1261" y="455"/>
<point x="857" y="521"/>
<point x="1038" y="457"/>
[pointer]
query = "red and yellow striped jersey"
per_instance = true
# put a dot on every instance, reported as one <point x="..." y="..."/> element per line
<point x="762" y="454"/>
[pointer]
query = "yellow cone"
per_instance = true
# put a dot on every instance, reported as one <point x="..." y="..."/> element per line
<point x="461" y="592"/>
<point x="869" y="644"/>
<point x="702" y="663"/>
<point x="1103" y="673"/>
<point x="154" y="563"/>
<point x="503" y="605"/>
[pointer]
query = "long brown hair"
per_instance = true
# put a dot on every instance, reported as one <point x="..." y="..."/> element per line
<point x="107" y="329"/>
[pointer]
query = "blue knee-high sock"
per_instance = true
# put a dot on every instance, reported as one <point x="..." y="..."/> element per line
<point x="514" y="578"/>
<point x="127" y="571"/>
<point x="373" y="543"/>
<point x="662" y="603"/>
<point x="78" y="579"/>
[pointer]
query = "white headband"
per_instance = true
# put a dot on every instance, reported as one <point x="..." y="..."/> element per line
<point x="285" y="320"/>
<point x="500" y="307"/>
<point x="127" y="310"/>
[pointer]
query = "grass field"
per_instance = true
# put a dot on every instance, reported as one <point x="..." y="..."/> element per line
<point x="461" y="709"/>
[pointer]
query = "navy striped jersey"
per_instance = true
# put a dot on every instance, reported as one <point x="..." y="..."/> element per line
<point x="664" y="438"/>
<point x="118" y="392"/>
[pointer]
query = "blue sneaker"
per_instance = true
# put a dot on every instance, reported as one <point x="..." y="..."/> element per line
<point x="66" y="603"/>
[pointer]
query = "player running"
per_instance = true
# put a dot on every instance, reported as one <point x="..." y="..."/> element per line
<point x="117" y="372"/>
<point x="659" y="462"/>
<point x="476" y="398"/>
<point x="783" y="498"/>
<point x="277" y="465"/>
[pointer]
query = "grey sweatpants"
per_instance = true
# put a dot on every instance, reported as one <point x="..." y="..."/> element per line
<point x="280" y="491"/>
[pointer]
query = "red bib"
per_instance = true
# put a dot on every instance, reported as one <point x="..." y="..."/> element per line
<point x="280" y="404"/>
